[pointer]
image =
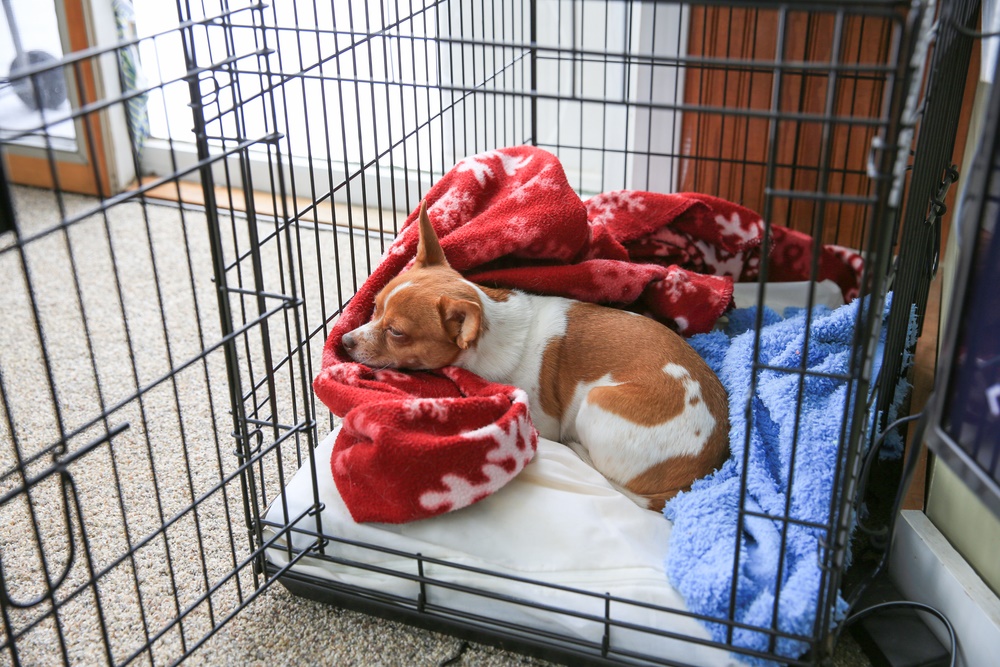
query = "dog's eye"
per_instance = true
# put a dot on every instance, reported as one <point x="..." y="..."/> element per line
<point x="395" y="333"/>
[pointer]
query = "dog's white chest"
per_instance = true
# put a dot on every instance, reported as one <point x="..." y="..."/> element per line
<point x="512" y="349"/>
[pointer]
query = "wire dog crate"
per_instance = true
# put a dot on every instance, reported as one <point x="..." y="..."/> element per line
<point x="160" y="333"/>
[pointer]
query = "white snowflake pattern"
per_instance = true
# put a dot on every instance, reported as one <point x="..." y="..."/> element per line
<point x="343" y="373"/>
<point x="477" y="166"/>
<point x="603" y="208"/>
<point x="480" y="164"/>
<point x="676" y="286"/>
<point x="389" y="375"/>
<point x="721" y="262"/>
<point x="398" y="247"/>
<point x="452" y="209"/>
<point x="733" y="226"/>
<point x="436" y="409"/>
<point x="852" y="257"/>
<point x="512" y="163"/>
<point x="460" y="491"/>
<point x="540" y="181"/>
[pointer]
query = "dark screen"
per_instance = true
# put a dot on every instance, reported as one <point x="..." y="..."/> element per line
<point x="972" y="401"/>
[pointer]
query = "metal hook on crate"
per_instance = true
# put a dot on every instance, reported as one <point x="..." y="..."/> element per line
<point x="256" y="433"/>
<point x="213" y="95"/>
<point x="68" y="487"/>
<point x="829" y="558"/>
<point x="51" y="585"/>
<point x="937" y="210"/>
<point x="821" y="548"/>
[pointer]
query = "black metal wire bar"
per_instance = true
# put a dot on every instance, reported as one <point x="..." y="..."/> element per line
<point x="191" y="282"/>
<point x="347" y="181"/>
<point x="360" y="131"/>
<point x="256" y="477"/>
<point x="230" y="49"/>
<point x="822" y="186"/>
<point x="373" y="109"/>
<point x="476" y="124"/>
<point x="533" y="66"/>
<point x="293" y="334"/>
<point x="825" y="198"/>
<point x="298" y="233"/>
<point x="720" y="160"/>
<point x="772" y="142"/>
<point x="284" y="192"/>
<point x="724" y="17"/>
<point x="257" y="272"/>
<point x="244" y="272"/>
<point x="749" y="35"/>
<point x="247" y="482"/>
<point x="430" y="114"/>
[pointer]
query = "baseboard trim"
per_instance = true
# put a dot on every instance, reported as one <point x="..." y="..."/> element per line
<point x="926" y="568"/>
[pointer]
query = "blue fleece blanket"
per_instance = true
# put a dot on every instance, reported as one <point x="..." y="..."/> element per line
<point x="701" y="551"/>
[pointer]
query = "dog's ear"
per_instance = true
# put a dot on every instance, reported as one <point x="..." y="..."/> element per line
<point x="429" y="251"/>
<point x="462" y="320"/>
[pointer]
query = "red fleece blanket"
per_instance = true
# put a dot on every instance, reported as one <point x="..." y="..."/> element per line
<point x="414" y="445"/>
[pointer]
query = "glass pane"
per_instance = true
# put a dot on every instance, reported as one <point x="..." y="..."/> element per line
<point x="30" y="41"/>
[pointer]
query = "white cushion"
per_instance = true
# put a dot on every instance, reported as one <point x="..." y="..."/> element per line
<point x="558" y="522"/>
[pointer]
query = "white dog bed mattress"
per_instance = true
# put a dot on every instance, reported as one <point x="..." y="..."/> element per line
<point x="558" y="537"/>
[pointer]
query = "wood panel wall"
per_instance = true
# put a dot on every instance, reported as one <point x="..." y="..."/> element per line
<point x="824" y="83"/>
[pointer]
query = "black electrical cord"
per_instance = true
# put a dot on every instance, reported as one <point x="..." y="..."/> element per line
<point x="909" y="466"/>
<point x="919" y="606"/>
<point x="866" y="472"/>
<point x="962" y="30"/>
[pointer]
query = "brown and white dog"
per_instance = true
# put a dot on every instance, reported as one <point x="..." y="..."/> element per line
<point x="629" y="395"/>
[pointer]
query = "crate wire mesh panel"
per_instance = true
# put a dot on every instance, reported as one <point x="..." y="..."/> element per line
<point x="157" y="359"/>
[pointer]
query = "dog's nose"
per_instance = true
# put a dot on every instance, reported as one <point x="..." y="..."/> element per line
<point x="348" y="341"/>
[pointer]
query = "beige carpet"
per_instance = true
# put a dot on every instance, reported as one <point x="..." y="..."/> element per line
<point x="125" y="305"/>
